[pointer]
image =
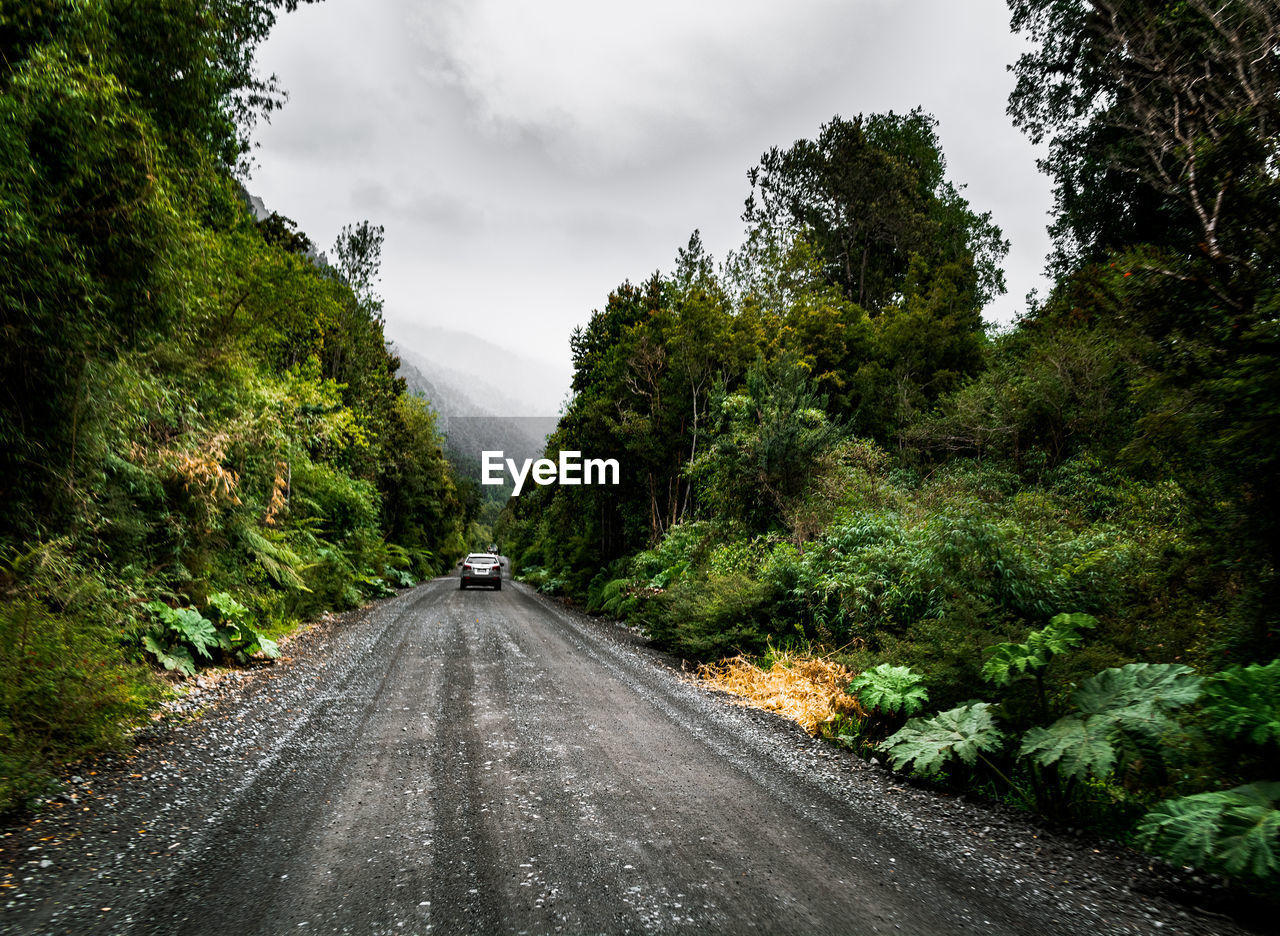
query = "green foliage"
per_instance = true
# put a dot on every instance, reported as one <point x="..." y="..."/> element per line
<point x="1077" y="746"/>
<point x="1242" y="703"/>
<point x="822" y="444"/>
<point x="617" y="596"/>
<point x="284" y="566"/>
<point x="1011" y="660"/>
<point x="1138" y="696"/>
<point x="177" y="633"/>
<point x="726" y="396"/>
<point x="712" y="617"/>
<point x="1051" y="395"/>
<point x="768" y="444"/>
<point x="1114" y="96"/>
<point x="400" y="578"/>
<point x="1163" y="131"/>
<point x="964" y="732"/>
<point x="66" y="691"/>
<point x="896" y="689"/>
<point x="1134" y="699"/>
<point x="359" y="253"/>
<point x="193" y="408"/>
<point x="180" y="635"/>
<point x="1233" y="831"/>
<point x="236" y="633"/>
<point x="872" y="192"/>
<point x="375" y="586"/>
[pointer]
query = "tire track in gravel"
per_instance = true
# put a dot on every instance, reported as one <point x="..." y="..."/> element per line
<point x="461" y="880"/>
<point x="306" y="834"/>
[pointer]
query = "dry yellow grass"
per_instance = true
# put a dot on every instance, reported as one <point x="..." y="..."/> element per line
<point x="200" y="468"/>
<point x="809" y="691"/>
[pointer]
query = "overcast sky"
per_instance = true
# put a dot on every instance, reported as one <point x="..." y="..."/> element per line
<point x="527" y="157"/>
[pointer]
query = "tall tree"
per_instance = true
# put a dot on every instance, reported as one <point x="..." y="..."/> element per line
<point x="359" y="252"/>
<point x="1162" y="119"/>
<point x="872" y="192"/>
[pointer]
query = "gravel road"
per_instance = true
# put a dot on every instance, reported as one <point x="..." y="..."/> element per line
<point x="487" y="762"/>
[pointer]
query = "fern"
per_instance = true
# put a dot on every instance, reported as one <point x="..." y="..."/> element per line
<point x="1010" y="660"/>
<point x="889" y="688"/>
<point x="281" y="563"/>
<point x="1243" y="702"/>
<point x="1136" y="698"/>
<point x="964" y="732"/>
<point x="373" y="585"/>
<point x="1236" y="831"/>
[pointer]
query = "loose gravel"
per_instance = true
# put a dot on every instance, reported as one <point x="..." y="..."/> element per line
<point x="476" y="762"/>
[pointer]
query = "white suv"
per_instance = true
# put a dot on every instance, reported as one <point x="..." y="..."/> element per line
<point x="481" y="568"/>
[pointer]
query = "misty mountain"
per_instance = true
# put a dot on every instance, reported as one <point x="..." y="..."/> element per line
<point x="498" y="381"/>
<point x="474" y="414"/>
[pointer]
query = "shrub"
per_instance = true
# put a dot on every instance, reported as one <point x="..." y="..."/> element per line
<point x="1121" y="714"/>
<point x="1135" y="700"/>
<point x="1010" y="660"/>
<point x="1235" y="831"/>
<point x="616" y="597"/>
<point x="965" y="732"/>
<point x="236" y="634"/>
<point x="65" y="690"/>
<point x="715" y="616"/>
<point x="1243" y="703"/>
<point x="178" y="635"/>
<point x="892" y="689"/>
<point x="400" y="578"/>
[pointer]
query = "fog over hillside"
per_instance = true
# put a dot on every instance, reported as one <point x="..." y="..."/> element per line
<point x="473" y="413"/>
<point x="499" y="381"/>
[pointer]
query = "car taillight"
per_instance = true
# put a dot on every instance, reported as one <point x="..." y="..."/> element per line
<point x="466" y="566"/>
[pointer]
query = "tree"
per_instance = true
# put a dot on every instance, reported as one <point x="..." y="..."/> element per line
<point x="283" y="233"/>
<point x="768" y="443"/>
<point x="872" y="192"/>
<point x="189" y="407"/>
<point x="359" y="252"/>
<point x="1162" y="119"/>
<point x="701" y="339"/>
<point x="868" y="208"/>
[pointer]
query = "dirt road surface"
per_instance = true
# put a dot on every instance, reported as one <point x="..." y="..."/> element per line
<point x="487" y="762"/>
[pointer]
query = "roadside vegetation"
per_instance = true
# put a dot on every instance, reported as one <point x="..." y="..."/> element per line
<point x="203" y="439"/>
<point x="1046" y="554"/>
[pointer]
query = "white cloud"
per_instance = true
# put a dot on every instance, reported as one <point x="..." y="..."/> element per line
<point x="608" y="84"/>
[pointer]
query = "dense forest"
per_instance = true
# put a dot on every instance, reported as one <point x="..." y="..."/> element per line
<point x="203" y="437"/>
<point x="1048" y="549"/>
